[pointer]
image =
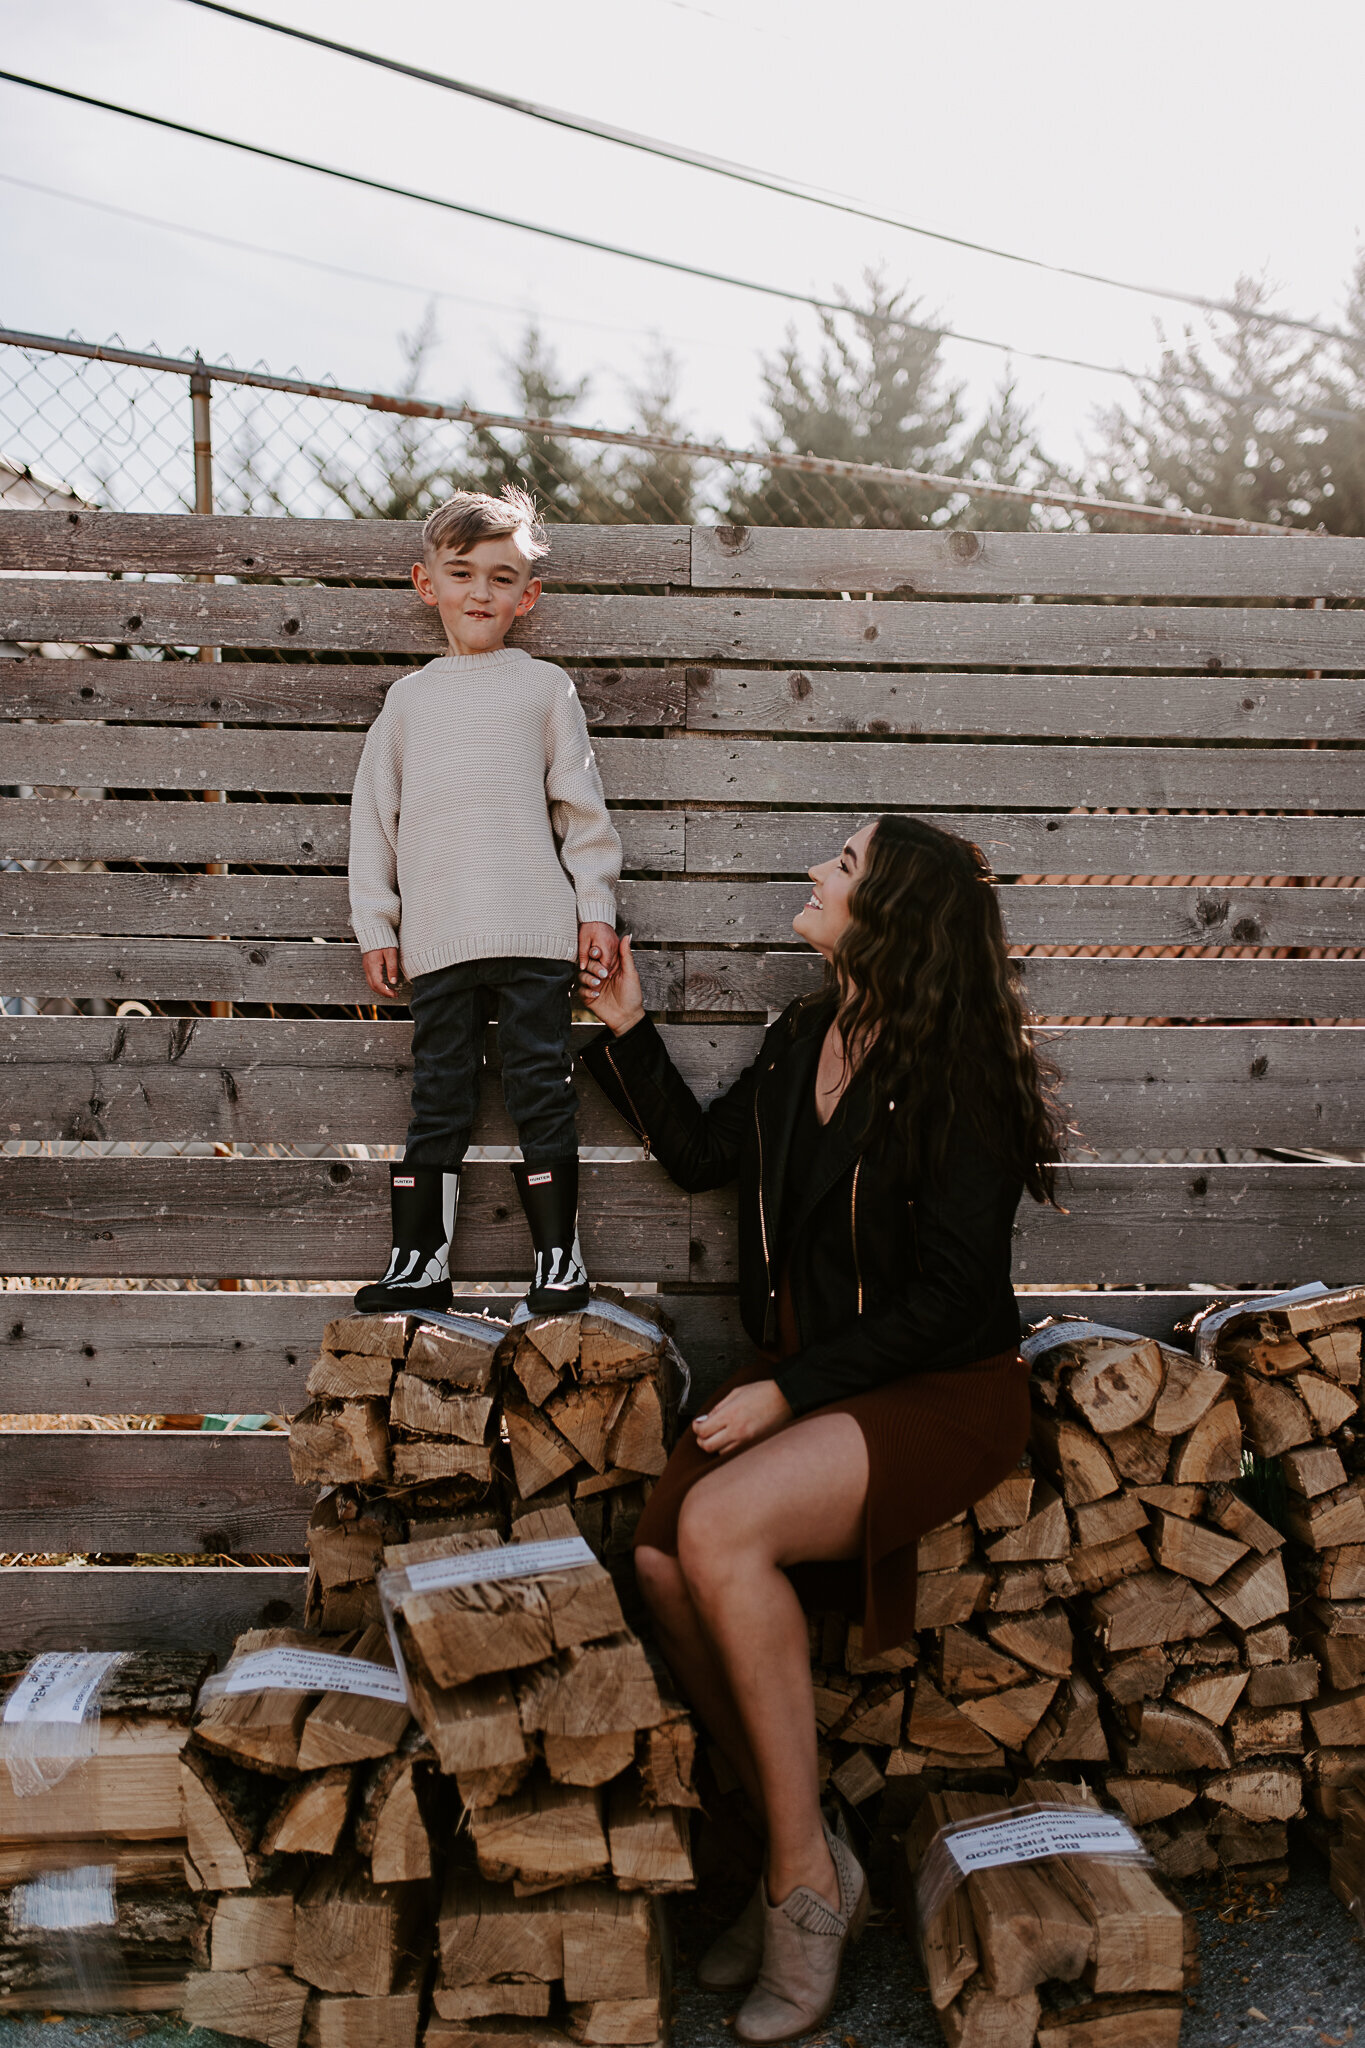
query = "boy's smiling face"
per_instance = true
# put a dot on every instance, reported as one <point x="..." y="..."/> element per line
<point x="480" y="593"/>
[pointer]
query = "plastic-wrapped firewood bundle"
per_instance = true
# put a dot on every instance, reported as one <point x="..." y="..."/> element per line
<point x="313" y="1815"/>
<point x="1294" y="1361"/>
<point x="417" y="1425"/>
<point x="1040" y="1918"/>
<point x="573" y="1767"/>
<point x="95" y="1912"/>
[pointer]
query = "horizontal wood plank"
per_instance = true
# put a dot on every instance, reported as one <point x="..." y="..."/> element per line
<point x="1071" y="707"/>
<point x="140" y="1351"/>
<point x="369" y="549"/>
<point x="150" y="1491"/>
<point x="1172" y="1225"/>
<point x="979" y="564"/>
<point x="306" y="1219"/>
<point x="259" y="834"/>
<point x="705" y="768"/>
<point x="286" y="692"/>
<point x="1042" y="842"/>
<point x="148" y="1607"/>
<point x="699" y="978"/>
<point x="719" y="981"/>
<point x="144" y="1079"/>
<point x="695" y="912"/>
<point x="695" y="629"/>
<point x="1226" y="1227"/>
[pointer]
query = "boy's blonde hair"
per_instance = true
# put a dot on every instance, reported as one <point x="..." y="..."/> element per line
<point x="471" y="516"/>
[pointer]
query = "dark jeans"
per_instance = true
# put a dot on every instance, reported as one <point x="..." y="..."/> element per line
<point x="450" y="1012"/>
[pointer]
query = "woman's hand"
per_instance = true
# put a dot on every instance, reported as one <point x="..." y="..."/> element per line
<point x="744" y="1417"/>
<point x="616" y="998"/>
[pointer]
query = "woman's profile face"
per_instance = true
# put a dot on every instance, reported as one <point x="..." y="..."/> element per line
<point x="823" y="918"/>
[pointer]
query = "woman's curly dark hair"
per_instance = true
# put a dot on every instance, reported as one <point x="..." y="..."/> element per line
<point x="930" y="1010"/>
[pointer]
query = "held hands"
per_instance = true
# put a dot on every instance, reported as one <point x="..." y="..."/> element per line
<point x="381" y="971"/>
<point x="597" y="950"/>
<point x="743" y="1417"/>
<point x="612" y="989"/>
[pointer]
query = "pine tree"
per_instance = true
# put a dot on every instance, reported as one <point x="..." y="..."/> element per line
<point x="1223" y="427"/>
<point x="654" y="487"/>
<point x="566" y="486"/>
<point x="1339" y="403"/>
<point x="875" y="394"/>
<point x="1005" y="450"/>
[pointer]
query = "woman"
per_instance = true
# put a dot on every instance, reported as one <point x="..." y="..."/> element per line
<point x="882" y="1140"/>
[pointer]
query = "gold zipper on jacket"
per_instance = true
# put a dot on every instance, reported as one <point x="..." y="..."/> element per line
<point x="853" y="1227"/>
<point x="639" y="1120"/>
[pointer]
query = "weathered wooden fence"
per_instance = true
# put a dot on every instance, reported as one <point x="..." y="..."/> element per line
<point x="741" y="730"/>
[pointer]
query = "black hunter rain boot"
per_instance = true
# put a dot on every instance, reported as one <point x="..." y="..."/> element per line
<point x="422" y="1201"/>
<point x="549" y="1197"/>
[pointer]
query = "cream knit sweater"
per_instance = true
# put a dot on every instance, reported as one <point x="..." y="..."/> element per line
<point x="478" y="823"/>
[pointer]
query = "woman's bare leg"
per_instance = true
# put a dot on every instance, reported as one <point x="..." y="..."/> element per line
<point x="691" y="1657"/>
<point x="797" y="1496"/>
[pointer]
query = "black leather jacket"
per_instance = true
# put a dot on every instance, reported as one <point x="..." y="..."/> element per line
<point x="887" y="1276"/>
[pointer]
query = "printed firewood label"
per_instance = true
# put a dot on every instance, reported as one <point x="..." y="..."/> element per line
<point x="61" y="1685"/>
<point x="512" y="1561"/>
<point x="286" y="1670"/>
<point x="1029" y="1837"/>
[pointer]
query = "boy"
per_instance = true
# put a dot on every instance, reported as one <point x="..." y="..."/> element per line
<point x="482" y="853"/>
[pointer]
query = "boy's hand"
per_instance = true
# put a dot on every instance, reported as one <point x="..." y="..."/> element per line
<point x="618" y="1000"/>
<point x="381" y="970"/>
<point x="598" y="949"/>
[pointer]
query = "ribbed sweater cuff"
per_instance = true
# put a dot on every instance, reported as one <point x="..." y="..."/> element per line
<point x="597" y="910"/>
<point x="371" y="937"/>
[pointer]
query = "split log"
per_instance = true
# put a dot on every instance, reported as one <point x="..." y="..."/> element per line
<point x="1266" y="1731"/>
<point x="1193" y="1550"/>
<point x="945" y="1549"/>
<point x="1212" y="1450"/>
<point x="650" y="1846"/>
<point x="1070" y="1730"/>
<point x="538" y="1378"/>
<point x="1046" y="1534"/>
<point x="1105" y="1521"/>
<point x="432" y="1409"/>
<point x="332" y="1443"/>
<point x="1240" y="1519"/>
<point x="1018" y="1588"/>
<point x="263" y="1729"/>
<point x="1158" y="1607"/>
<point x="1283" y="1685"/>
<point x="350" y="1376"/>
<point x="637" y="1436"/>
<point x="423" y="1460"/>
<point x="1091" y="1569"/>
<point x="1341" y="1658"/>
<point x="226" y="1809"/>
<point x="310" y="1814"/>
<point x="1329" y="1405"/>
<point x="1252" y="1592"/>
<point x="1341" y="1573"/>
<point x="1150" y="1798"/>
<point x="592" y="1689"/>
<point x="1337" y="1353"/>
<point x="589" y="1759"/>
<point x="258" y="2005"/>
<point x="943" y="1598"/>
<point x="390" y="1828"/>
<point x="857" y="1778"/>
<point x="347" y="1728"/>
<point x="934" y="1724"/>
<point x="540" y="1455"/>
<point x="557" y="1338"/>
<point x="1331" y="1521"/>
<point x="1338" y="1719"/>
<point x="367" y="1336"/>
<point x="1257" y="1791"/>
<point x="471" y="1727"/>
<point x="524" y="1997"/>
<point x="966" y="1664"/>
<point x="1268" y="1644"/>
<point x="1273" y="1416"/>
<point x="483" y="1932"/>
<point x="1140" y="1456"/>
<point x="1136" y="2022"/>
<point x="1169" y="1738"/>
<point x="610" y="1944"/>
<point x="461" y="1351"/>
<point x="979" y="2018"/>
<point x="616" y="2021"/>
<point x="876" y="1717"/>
<point x="252" y="1928"/>
<point x="1117" y="1383"/>
<point x="467" y="1631"/>
<point x="500" y="2031"/>
<point x="1136" y="1675"/>
<point x="390" y="2021"/>
<point x="585" y="1417"/>
<point x="1042" y="1639"/>
<point x="1212" y="1694"/>
<point x="1074" y="1457"/>
<point x="1138" y="1932"/>
<point x="1007" y="1504"/>
<point x="353" y="1936"/>
<point x="1011" y="1716"/>
<point x="545" y="1835"/>
<point x="1190" y="1390"/>
<point x="346" y="1537"/>
<point x="665" y="1758"/>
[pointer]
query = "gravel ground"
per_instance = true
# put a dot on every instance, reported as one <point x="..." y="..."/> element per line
<point x="1276" y="1969"/>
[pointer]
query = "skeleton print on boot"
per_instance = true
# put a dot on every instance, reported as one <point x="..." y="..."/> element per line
<point x="422" y="1201"/>
<point x="549" y="1197"/>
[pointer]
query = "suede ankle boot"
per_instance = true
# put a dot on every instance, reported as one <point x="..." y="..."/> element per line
<point x="549" y="1197"/>
<point x="735" y="1958"/>
<point x="422" y="1201"/>
<point x="804" y="1940"/>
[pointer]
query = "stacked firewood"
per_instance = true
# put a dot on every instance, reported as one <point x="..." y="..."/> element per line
<point x="1006" y="1946"/>
<point x="1114" y="1605"/>
<point x="1294" y="1362"/>
<point x="411" y="1422"/>
<point x="308" y="1815"/>
<point x="95" y="1911"/>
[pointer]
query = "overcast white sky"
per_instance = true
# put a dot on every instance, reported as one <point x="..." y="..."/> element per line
<point x="1178" y="142"/>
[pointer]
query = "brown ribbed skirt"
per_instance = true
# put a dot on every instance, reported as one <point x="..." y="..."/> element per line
<point x="936" y="1442"/>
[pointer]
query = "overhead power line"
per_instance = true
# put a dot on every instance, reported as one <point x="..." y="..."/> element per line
<point x="891" y="322"/>
<point x="765" y="181"/>
<point x="664" y="444"/>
